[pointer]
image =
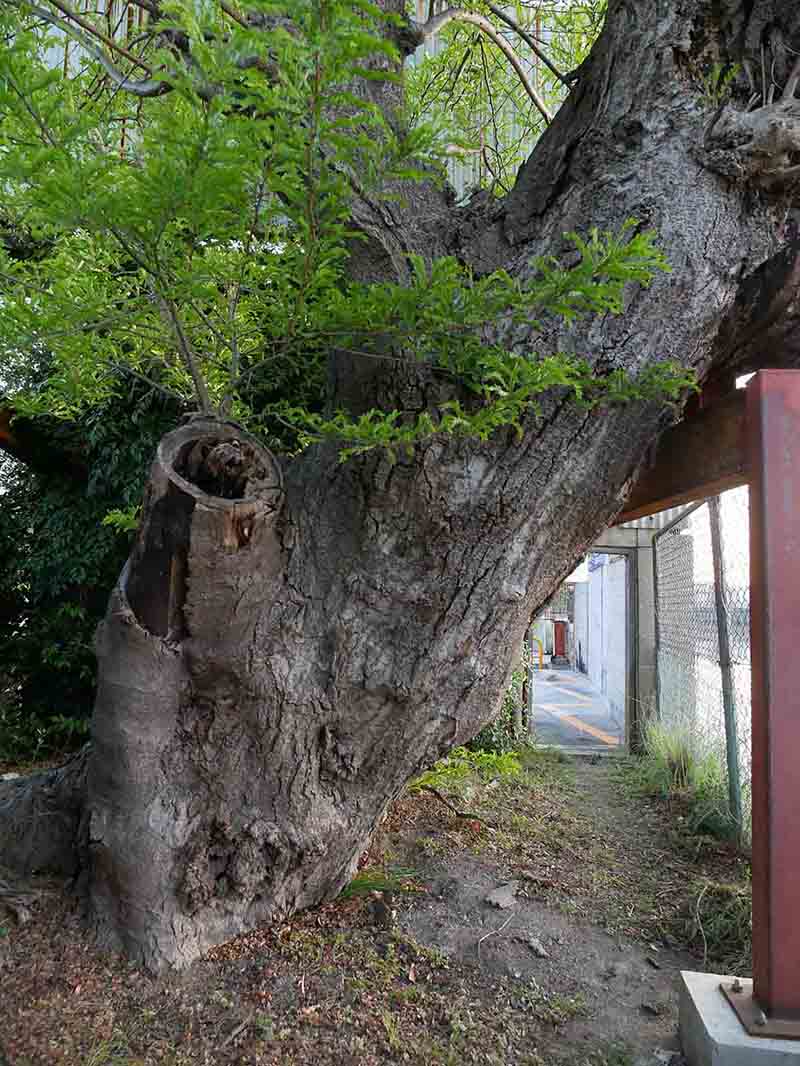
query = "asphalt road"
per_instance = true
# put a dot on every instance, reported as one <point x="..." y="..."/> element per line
<point x="570" y="713"/>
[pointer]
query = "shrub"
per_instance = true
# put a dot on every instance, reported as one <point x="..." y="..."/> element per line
<point x="500" y="735"/>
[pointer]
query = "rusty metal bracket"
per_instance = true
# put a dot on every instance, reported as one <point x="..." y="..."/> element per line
<point x="755" y="1021"/>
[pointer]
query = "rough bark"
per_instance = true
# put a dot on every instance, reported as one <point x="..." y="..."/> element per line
<point x="280" y="655"/>
<point x="41" y="818"/>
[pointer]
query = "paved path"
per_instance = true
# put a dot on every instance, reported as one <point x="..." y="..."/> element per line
<point x="571" y="713"/>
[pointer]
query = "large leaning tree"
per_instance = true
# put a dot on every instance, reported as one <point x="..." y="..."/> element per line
<point x="409" y="419"/>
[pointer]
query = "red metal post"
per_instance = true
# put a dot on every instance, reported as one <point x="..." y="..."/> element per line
<point x="773" y="409"/>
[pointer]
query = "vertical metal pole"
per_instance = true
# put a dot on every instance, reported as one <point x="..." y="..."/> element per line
<point x="728" y="698"/>
<point x="773" y="409"/>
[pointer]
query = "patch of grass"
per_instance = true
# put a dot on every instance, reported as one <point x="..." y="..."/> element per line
<point x="613" y="1054"/>
<point x="461" y="764"/>
<point x="673" y="765"/>
<point x="380" y="879"/>
<point x="392" y="1027"/>
<point x="549" y="1008"/>
<point x="721" y="926"/>
<point x="114" y="1051"/>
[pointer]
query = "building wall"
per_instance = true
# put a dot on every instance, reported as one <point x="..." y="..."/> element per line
<point x="601" y="630"/>
<point x="615" y="635"/>
<point x="581" y="626"/>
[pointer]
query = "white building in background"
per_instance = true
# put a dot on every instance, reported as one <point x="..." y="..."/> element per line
<point x="601" y="629"/>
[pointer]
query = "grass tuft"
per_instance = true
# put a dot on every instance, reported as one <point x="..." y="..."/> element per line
<point x="380" y="879"/>
<point x="721" y="926"/>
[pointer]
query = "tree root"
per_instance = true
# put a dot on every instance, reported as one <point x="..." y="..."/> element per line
<point x="15" y="901"/>
<point x="469" y="815"/>
<point x="41" y="816"/>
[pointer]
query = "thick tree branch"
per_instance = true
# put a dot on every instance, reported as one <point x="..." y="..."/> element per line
<point x="148" y="88"/>
<point x="31" y="442"/>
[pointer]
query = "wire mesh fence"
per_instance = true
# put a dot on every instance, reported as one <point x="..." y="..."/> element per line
<point x="703" y="644"/>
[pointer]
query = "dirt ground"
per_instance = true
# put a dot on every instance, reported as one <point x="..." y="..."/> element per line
<point x="571" y="960"/>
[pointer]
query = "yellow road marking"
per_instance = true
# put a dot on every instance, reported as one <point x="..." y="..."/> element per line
<point x="566" y="691"/>
<point x="575" y="706"/>
<point x="584" y="727"/>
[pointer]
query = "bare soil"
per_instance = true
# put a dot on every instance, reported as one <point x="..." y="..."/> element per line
<point x="578" y="968"/>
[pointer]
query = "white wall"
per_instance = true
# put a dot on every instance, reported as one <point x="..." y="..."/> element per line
<point x="615" y="635"/>
<point x="601" y="630"/>
<point x="582" y="625"/>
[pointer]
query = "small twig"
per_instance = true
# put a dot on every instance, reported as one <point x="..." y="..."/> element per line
<point x="229" y="11"/>
<point x="438" y="22"/>
<point x="239" y="1029"/>
<point x="109" y="42"/>
<point x="529" y="40"/>
<point x="791" y="85"/>
<point x="470" y="815"/>
<point x="699" y="922"/>
<point x="493" y="932"/>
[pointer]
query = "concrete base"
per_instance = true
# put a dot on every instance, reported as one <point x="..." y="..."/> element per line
<point x="712" y="1035"/>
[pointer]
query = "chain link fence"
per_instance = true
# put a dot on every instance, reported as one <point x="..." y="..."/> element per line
<point x="703" y="644"/>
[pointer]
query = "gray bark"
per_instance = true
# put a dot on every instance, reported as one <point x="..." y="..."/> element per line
<point x="281" y="656"/>
<point x="41" y="816"/>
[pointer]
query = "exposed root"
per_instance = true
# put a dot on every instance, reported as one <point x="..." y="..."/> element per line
<point x="469" y="815"/>
<point x="40" y="818"/>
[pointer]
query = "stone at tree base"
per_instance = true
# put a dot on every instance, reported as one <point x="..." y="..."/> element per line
<point x="538" y="948"/>
<point x="504" y="896"/>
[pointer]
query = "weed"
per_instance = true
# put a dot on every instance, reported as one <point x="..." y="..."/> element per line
<point x="421" y="952"/>
<point x="717" y="85"/>
<point x="264" y="1025"/>
<point x="548" y="1007"/>
<point x="721" y="925"/>
<point x="113" y="1051"/>
<point x="674" y="765"/>
<point x="380" y="879"/>
<point x="461" y="764"/>
<point x="222" y="999"/>
<point x="613" y="1054"/>
<point x="392" y="1027"/>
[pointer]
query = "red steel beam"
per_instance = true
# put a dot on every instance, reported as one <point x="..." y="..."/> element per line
<point x="773" y="410"/>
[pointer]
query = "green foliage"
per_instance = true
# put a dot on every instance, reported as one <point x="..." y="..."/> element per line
<point x="470" y="91"/>
<point x="126" y="521"/>
<point x="500" y="735"/>
<point x="198" y="252"/>
<point x="674" y="765"/>
<point x="438" y="318"/>
<point x="58" y="562"/>
<point x="207" y="254"/>
<point x="380" y="879"/>
<point x="719" y="82"/>
<point x="462" y="763"/>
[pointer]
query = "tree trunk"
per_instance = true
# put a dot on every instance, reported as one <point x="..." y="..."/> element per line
<point x="284" y="651"/>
